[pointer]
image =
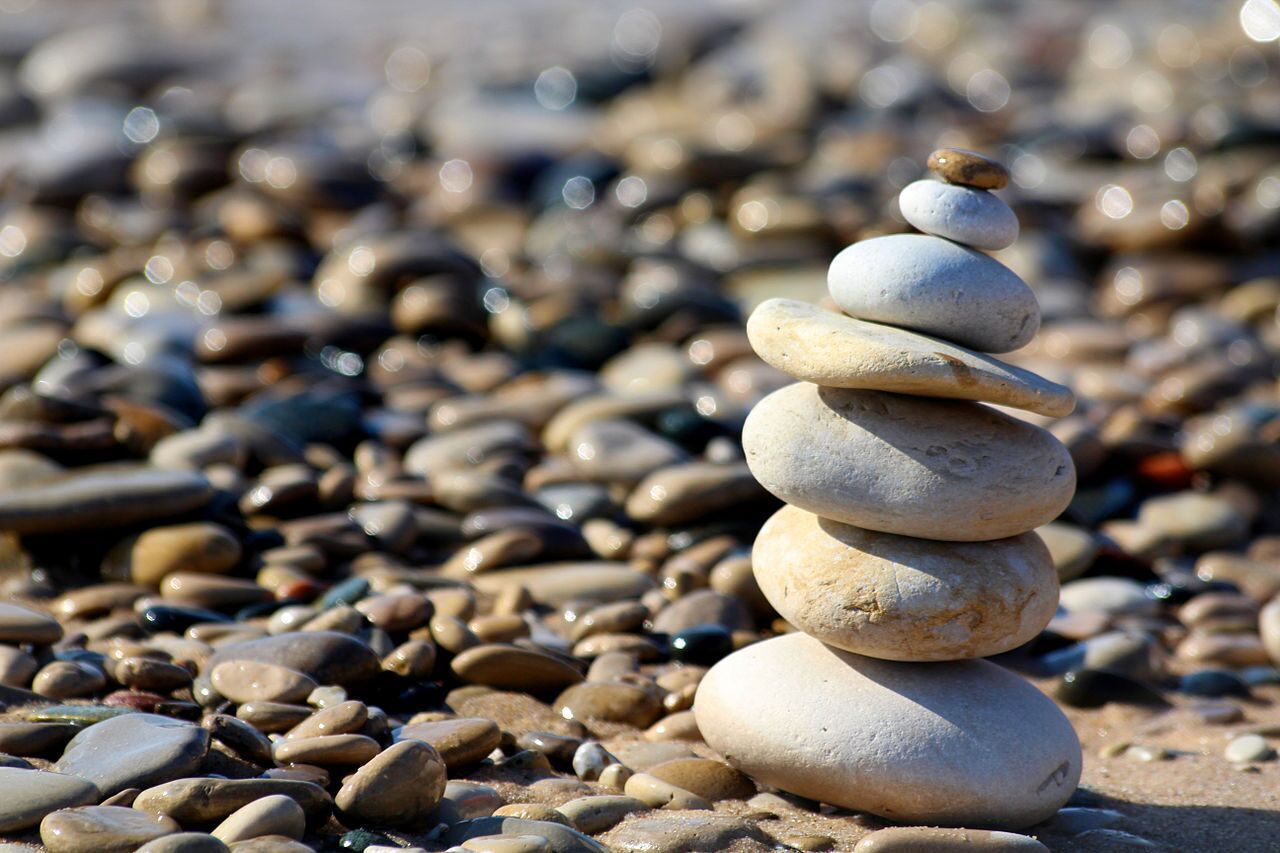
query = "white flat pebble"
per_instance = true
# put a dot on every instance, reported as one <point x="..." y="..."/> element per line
<point x="935" y="286"/>
<point x="969" y="216"/>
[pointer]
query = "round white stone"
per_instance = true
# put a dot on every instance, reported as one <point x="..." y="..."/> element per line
<point x="902" y="598"/>
<point x="935" y="286"/>
<point x="934" y="469"/>
<point x="955" y="744"/>
<point x="964" y="214"/>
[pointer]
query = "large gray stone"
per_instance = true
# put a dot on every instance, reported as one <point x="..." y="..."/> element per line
<point x="134" y="751"/>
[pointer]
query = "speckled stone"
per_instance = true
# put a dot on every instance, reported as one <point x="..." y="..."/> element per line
<point x="902" y="598"/>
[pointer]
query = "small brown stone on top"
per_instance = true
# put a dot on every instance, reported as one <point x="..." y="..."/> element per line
<point x="968" y="168"/>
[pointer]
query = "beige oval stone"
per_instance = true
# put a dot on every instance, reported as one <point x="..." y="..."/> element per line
<point x="460" y="742"/>
<point x="659" y="794"/>
<point x="253" y="681"/>
<point x="196" y="547"/>
<point x="930" y="839"/>
<point x="102" y="829"/>
<point x="514" y="668"/>
<point x="710" y="779"/>
<point x="610" y="701"/>
<point x="326" y="750"/>
<point x="934" y="469"/>
<point x="813" y="345"/>
<point x="964" y="743"/>
<point x="399" y="787"/>
<point x="507" y="844"/>
<point x="274" y="814"/>
<point x="901" y="598"/>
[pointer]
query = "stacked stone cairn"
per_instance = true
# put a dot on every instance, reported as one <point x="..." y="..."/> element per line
<point x="907" y="549"/>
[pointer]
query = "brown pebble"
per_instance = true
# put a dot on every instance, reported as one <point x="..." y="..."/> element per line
<point x="968" y="168"/>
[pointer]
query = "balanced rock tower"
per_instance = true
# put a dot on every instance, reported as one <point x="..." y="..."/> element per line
<point x="907" y="548"/>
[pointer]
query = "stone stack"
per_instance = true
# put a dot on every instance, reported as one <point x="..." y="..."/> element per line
<point x="907" y="548"/>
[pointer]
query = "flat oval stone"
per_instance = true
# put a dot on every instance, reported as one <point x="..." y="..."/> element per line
<point x="934" y="469"/>
<point x="555" y="584"/>
<point x="514" y="668"/>
<point x="970" y="216"/>
<point x="274" y="814"/>
<point x="254" y="681"/>
<point x="201" y="800"/>
<point x="29" y="795"/>
<point x="398" y="787"/>
<point x="968" y="168"/>
<point x="20" y="625"/>
<point x="134" y="751"/>
<point x="325" y="656"/>
<point x="196" y="547"/>
<point x="712" y="780"/>
<point x="929" y="839"/>
<point x="903" y="598"/>
<point x="184" y="842"/>
<point x="610" y="701"/>
<point x="562" y="839"/>
<point x="683" y="493"/>
<point x="813" y="345"/>
<point x="931" y="285"/>
<point x="102" y="498"/>
<point x="110" y="829"/>
<point x="326" y="750"/>
<point x="460" y="742"/>
<point x="962" y="743"/>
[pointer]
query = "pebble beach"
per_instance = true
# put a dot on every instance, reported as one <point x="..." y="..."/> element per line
<point x="561" y="428"/>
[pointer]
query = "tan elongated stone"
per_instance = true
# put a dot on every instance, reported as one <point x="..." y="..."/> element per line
<point x="826" y="348"/>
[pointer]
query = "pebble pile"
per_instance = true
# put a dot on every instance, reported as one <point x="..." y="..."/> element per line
<point x="372" y="389"/>
<point x="907" y="548"/>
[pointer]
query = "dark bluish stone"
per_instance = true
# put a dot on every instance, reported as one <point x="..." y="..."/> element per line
<point x="359" y="839"/>
<point x="1213" y="682"/>
<point x="702" y="645"/>
<point x="1092" y="505"/>
<point x="348" y="592"/>
<point x="548" y="189"/>
<point x="582" y="343"/>
<point x="1093" y="688"/>
<point x="161" y="618"/>
<point x="685" y="427"/>
<point x="1255" y="675"/>
<point x="266" y="608"/>
<point x="179" y="710"/>
<point x="312" y="417"/>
